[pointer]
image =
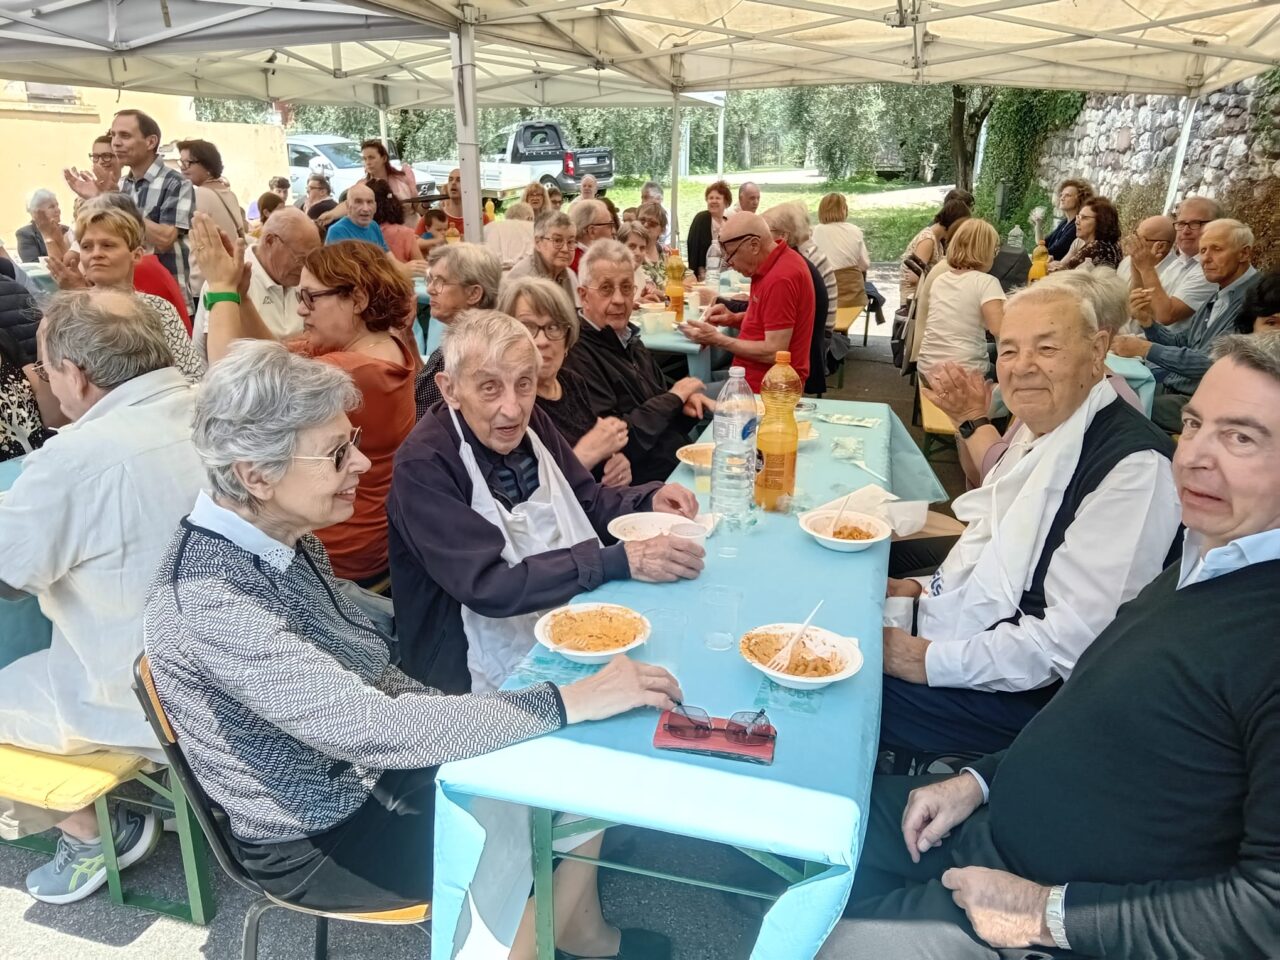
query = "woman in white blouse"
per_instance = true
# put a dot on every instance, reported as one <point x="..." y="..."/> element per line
<point x="839" y="240"/>
<point x="965" y="302"/>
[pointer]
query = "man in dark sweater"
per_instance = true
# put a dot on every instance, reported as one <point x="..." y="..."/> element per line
<point x="1138" y="815"/>
<point x="623" y="379"/>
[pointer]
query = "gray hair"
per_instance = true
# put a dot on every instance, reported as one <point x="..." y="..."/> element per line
<point x="1215" y="208"/>
<point x="40" y="198"/>
<point x="550" y="220"/>
<point x="471" y="265"/>
<point x="1257" y="351"/>
<point x="789" y="219"/>
<point x="482" y="336"/>
<point x="544" y="297"/>
<point x="1241" y="235"/>
<point x="651" y="186"/>
<point x="584" y="213"/>
<point x="634" y="227"/>
<point x="1100" y="288"/>
<point x="1042" y="294"/>
<point x="519" y="211"/>
<point x="600" y="252"/>
<point x="252" y="405"/>
<point x="117" y="200"/>
<point x="113" y="337"/>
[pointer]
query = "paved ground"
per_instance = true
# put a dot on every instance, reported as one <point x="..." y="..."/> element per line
<point x="703" y="925"/>
<point x="931" y="195"/>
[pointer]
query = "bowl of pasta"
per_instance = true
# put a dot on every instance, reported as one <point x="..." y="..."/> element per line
<point x="856" y="531"/>
<point x="591" y="632"/>
<point x="818" y="659"/>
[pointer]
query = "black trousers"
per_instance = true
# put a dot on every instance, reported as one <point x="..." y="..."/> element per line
<point x="379" y="858"/>
<point x="900" y="910"/>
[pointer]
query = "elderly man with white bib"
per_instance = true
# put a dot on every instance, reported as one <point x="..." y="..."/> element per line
<point x="494" y="521"/>
<point x="1077" y="516"/>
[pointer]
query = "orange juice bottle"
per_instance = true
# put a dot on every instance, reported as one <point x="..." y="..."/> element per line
<point x="777" y="437"/>
<point x="675" y="283"/>
<point x="1039" y="263"/>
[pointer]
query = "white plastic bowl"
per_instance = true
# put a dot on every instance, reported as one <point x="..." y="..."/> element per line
<point x="691" y="453"/>
<point x="848" y="647"/>
<point x="633" y="527"/>
<point x="817" y="524"/>
<point x="541" y="634"/>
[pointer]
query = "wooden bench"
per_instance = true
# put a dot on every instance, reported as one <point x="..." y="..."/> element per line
<point x="67" y="784"/>
<point x="938" y="431"/>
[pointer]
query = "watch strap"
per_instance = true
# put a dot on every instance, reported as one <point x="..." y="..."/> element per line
<point x="222" y="297"/>
<point x="967" y="428"/>
<point x="1055" y="916"/>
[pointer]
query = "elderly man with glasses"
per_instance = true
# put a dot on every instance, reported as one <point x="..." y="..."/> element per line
<point x="84" y="528"/>
<point x="1169" y="290"/>
<point x="622" y="377"/>
<point x="552" y="254"/>
<point x="780" y="313"/>
<point x="494" y="520"/>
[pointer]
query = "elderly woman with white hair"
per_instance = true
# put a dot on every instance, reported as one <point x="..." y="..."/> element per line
<point x="460" y="276"/>
<point x="1000" y="616"/>
<point x="281" y="689"/>
<point x="45" y="235"/>
<point x="790" y="222"/>
<point x="494" y="519"/>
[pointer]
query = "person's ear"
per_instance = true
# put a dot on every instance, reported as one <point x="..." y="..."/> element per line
<point x="446" y="385"/>
<point x="254" y="480"/>
<point x="475" y="293"/>
<point x="359" y="300"/>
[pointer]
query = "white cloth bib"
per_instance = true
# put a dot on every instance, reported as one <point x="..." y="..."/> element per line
<point x="552" y="519"/>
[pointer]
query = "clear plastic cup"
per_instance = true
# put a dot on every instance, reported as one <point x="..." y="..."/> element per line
<point x="721" y="605"/>
<point x="668" y="629"/>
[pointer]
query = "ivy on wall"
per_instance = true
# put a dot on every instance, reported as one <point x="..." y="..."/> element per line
<point x="1017" y="127"/>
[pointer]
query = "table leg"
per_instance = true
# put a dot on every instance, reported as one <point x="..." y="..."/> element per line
<point x="700" y="365"/>
<point x="543" y="905"/>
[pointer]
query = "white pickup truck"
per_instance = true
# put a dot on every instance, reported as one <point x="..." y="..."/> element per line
<point x="338" y="159"/>
<point x="534" y="150"/>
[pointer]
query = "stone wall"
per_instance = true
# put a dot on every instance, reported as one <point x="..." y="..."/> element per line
<point x="1130" y="139"/>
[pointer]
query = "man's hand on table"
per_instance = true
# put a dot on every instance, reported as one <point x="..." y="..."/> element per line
<point x="903" y="588"/>
<point x="904" y="655"/>
<point x="1128" y="346"/>
<point x="622" y="685"/>
<point x="664" y="558"/>
<point x="699" y="406"/>
<point x="933" y="811"/>
<point x="700" y="331"/>
<point x="687" y="387"/>
<point x="1006" y="911"/>
<point x="673" y="498"/>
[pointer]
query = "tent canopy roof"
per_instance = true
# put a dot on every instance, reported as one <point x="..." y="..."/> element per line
<point x="1181" y="47"/>
<point x="301" y="51"/>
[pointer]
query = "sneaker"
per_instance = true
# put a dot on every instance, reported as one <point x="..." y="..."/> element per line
<point x="79" y="868"/>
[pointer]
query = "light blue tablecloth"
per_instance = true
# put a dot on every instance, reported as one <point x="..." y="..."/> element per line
<point x="673" y="341"/>
<point x="23" y="628"/>
<point x="809" y="804"/>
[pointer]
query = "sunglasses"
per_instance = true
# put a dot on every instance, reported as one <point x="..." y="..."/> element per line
<point x="309" y="297"/>
<point x="339" y="455"/>
<point x="746" y="727"/>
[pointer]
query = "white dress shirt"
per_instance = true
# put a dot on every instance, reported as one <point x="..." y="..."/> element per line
<point x="843" y="244"/>
<point x="83" y="529"/>
<point x="277" y="305"/>
<point x="509" y="240"/>
<point x="1184" y="280"/>
<point x="1113" y="548"/>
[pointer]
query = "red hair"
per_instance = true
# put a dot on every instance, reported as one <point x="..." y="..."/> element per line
<point x="351" y="265"/>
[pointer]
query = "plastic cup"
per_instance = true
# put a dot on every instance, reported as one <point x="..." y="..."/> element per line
<point x="693" y="532"/>
<point x="667" y="631"/>
<point x="721" y="605"/>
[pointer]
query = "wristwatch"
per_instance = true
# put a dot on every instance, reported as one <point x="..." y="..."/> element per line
<point x="224" y="297"/>
<point x="1054" y="919"/>
<point x="966" y="429"/>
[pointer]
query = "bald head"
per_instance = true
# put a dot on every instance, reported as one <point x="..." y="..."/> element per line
<point x="745" y="241"/>
<point x="286" y="240"/>
<point x="749" y="197"/>
<point x="1156" y="230"/>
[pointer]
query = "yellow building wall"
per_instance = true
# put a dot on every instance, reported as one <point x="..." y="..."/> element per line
<point x="38" y="140"/>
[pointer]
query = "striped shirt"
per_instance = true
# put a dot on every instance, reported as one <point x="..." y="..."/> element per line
<point x="166" y="197"/>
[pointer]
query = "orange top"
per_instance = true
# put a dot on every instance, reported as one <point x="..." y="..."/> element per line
<point x="358" y="548"/>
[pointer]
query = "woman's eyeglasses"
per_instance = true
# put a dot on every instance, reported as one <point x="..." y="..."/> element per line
<point x="309" y="297"/>
<point x="439" y="283"/>
<point x="339" y="456"/>
<point x="553" y="331"/>
<point x="747" y="727"/>
<point x="102" y="158"/>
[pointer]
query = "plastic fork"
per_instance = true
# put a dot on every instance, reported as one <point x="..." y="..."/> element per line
<point x="779" y="660"/>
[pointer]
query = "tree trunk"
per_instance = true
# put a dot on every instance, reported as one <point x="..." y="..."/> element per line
<point x="960" y="155"/>
<point x="746" y="148"/>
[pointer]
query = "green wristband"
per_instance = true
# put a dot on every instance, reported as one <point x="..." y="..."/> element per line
<point x="211" y="298"/>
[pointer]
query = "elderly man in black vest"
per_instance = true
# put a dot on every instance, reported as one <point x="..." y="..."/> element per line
<point x="1075" y="519"/>
<point x="1138" y="815"/>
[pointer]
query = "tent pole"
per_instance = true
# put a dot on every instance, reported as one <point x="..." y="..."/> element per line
<point x="1180" y="155"/>
<point x="382" y="126"/>
<point x="463" y="48"/>
<point x="720" y="142"/>
<point x="675" y="168"/>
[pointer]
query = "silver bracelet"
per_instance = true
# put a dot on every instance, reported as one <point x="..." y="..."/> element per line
<point x="1054" y="916"/>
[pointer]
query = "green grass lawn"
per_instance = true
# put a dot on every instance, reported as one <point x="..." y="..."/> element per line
<point x="888" y="229"/>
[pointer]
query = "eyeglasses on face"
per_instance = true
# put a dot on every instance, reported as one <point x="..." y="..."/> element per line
<point x="649" y="222"/>
<point x="560" y="242"/>
<point x="188" y="164"/>
<point x="606" y="223"/>
<point x="1188" y="224"/>
<point x="439" y="283"/>
<point x="553" y="331"/>
<point x="102" y="158"/>
<point x="607" y="290"/>
<point x="308" y="297"/>
<point x="730" y="254"/>
<point x="747" y="727"/>
<point x="339" y="456"/>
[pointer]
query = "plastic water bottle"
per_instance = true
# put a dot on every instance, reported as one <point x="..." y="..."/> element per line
<point x="733" y="464"/>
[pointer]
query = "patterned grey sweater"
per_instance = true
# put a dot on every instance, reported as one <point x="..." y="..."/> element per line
<point x="281" y="692"/>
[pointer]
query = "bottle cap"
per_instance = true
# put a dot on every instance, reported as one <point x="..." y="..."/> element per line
<point x="782" y="356"/>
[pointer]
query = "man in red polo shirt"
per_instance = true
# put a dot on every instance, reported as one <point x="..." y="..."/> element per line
<point x="780" y="311"/>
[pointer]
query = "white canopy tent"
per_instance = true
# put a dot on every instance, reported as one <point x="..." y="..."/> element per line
<point x="628" y="52"/>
